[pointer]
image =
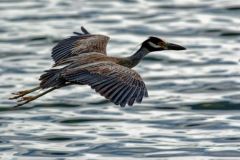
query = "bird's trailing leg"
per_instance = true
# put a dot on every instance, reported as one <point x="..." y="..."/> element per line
<point x="28" y="99"/>
<point x="23" y="93"/>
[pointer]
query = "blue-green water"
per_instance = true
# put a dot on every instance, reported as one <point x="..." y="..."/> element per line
<point x="193" y="111"/>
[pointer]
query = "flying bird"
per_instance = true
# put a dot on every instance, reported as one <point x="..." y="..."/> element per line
<point x="82" y="60"/>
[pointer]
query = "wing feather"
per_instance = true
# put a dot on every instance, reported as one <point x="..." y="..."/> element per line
<point x="117" y="83"/>
<point x="80" y="43"/>
<point x="121" y="94"/>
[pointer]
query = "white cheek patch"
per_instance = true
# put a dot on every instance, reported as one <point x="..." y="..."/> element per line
<point x="154" y="45"/>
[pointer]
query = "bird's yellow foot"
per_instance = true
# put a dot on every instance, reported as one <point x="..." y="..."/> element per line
<point x="19" y="94"/>
<point x="28" y="98"/>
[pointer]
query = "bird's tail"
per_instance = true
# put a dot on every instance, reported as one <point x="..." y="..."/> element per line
<point x="52" y="78"/>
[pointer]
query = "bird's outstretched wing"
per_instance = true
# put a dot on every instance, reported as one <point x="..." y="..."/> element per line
<point x="78" y="44"/>
<point x="117" y="83"/>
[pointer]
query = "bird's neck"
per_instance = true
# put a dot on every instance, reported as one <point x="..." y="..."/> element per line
<point x="138" y="56"/>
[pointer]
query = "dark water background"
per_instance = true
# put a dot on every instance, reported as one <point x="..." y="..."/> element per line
<point x="193" y="111"/>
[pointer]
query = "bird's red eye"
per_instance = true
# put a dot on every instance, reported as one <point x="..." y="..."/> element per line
<point x="161" y="43"/>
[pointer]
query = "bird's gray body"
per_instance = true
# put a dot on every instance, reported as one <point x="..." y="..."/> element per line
<point x="82" y="59"/>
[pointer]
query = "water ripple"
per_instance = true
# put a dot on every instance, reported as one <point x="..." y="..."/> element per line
<point x="193" y="104"/>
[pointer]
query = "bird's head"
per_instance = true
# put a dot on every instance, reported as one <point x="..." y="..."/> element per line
<point x="156" y="44"/>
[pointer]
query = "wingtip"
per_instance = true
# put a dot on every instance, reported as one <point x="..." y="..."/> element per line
<point x="146" y="94"/>
<point x="77" y="33"/>
<point x="84" y="30"/>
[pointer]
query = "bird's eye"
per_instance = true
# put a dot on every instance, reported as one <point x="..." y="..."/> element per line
<point x="161" y="43"/>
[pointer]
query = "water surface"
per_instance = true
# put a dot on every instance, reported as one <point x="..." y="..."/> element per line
<point x="193" y="108"/>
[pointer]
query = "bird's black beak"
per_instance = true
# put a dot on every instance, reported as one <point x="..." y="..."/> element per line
<point x="172" y="46"/>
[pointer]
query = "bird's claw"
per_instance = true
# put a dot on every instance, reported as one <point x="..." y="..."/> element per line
<point x="19" y="94"/>
<point x="14" y="97"/>
<point x="28" y="98"/>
